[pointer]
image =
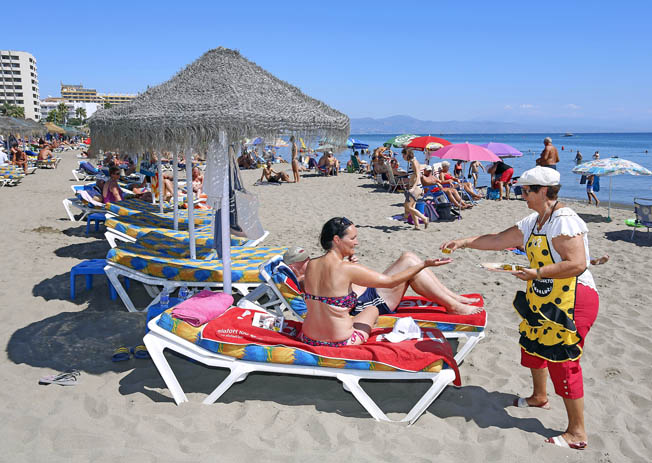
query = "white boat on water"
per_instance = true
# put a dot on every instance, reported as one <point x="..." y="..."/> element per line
<point x="567" y="134"/>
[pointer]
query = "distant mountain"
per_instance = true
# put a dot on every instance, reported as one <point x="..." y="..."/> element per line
<point x="408" y="124"/>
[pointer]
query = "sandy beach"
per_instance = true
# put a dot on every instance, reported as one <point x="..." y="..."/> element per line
<point x="124" y="411"/>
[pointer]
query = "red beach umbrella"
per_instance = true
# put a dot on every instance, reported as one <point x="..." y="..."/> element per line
<point x="430" y="143"/>
<point x="466" y="152"/>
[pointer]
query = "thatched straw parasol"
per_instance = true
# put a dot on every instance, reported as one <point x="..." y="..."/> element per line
<point x="221" y="91"/>
<point x="53" y="128"/>
<point x="219" y="99"/>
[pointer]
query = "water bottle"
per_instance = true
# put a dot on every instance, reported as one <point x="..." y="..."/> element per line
<point x="165" y="300"/>
<point x="184" y="293"/>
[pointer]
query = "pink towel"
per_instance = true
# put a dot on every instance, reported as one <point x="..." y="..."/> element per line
<point x="202" y="307"/>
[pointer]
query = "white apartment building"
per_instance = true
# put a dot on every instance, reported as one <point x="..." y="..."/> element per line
<point x="50" y="104"/>
<point x="19" y="82"/>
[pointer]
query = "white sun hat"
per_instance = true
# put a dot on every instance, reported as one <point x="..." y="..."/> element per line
<point x="404" y="328"/>
<point x="544" y="176"/>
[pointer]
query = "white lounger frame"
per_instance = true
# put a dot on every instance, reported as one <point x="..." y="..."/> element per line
<point x="277" y="304"/>
<point x="158" y="339"/>
<point x="152" y="284"/>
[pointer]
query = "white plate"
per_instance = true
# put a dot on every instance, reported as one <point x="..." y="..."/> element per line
<point x="501" y="267"/>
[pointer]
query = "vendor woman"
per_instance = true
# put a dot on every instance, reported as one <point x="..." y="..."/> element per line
<point x="560" y="303"/>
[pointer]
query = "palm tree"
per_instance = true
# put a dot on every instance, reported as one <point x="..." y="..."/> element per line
<point x="12" y="111"/>
<point x="62" y="110"/>
<point x="81" y="114"/>
<point x="52" y="116"/>
<point x="107" y="105"/>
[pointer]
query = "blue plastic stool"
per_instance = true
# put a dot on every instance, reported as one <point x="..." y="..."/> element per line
<point x="97" y="217"/>
<point x="89" y="268"/>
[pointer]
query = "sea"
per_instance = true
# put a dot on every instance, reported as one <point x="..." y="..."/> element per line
<point x="636" y="147"/>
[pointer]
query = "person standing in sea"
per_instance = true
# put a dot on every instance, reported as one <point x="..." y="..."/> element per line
<point x="549" y="155"/>
<point x="578" y="157"/>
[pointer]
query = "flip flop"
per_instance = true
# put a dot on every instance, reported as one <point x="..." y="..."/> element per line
<point x="561" y="442"/>
<point x="140" y="352"/>
<point x="521" y="402"/>
<point x="67" y="378"/>
<point x="121" y="354"/>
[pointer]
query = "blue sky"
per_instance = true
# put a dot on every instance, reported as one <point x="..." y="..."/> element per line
<point x="439" y="60"/>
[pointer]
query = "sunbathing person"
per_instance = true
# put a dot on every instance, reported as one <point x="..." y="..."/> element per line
<point x="430" y="179"/>
<point x="111" y="190"/>
<point x="19" y="158"/>
<point x="328" y="321"/>
<point x="425" y="283"/>
<point x="272" y="176"/>
<point x="45" y="153"/>
<point x="450" y="181"/>
<point x="197" y="181"/>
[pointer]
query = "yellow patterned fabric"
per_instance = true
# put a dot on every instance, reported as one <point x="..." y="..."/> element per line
<point x="243" y="270"/>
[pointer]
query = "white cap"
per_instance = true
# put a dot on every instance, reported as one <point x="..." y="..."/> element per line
<point x="404" y="328"/>
<point x="544" y="176"/>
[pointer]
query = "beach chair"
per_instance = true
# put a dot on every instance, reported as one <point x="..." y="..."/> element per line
<point x="51" y="163"/>
<point x="643" y="211"/>
<point x="281" y="292"/>
<point x="356" y="165"/>
<point x="83" y="200"/>
<point x="160" y="269"/>
<point x="254" y="349"/>
<point x="11" y="175"/>
<point x="85" y="171"/>
<point x="395" y="183"/>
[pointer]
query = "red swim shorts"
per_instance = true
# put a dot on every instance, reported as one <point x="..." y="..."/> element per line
<point x="506" y="176"/>
<point x="567" y="376"/>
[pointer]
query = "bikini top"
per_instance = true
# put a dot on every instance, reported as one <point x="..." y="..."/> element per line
<point x="346" y="302"/>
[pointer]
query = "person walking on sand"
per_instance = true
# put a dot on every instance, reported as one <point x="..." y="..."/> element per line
<point x="549" y="156"/>
<point x="295" y="160"/>
<point x="560" y="303"/>
<point x="589" y="190"/>
<point x="473" y="171"/>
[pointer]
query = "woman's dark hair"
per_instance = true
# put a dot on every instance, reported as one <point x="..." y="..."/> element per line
<point x="551" y="193"/>
<point x="334" y="227"/>
<point x="113" y="170"/>
<point x="409" y="153"/>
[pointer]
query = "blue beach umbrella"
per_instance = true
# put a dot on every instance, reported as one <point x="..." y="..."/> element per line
<point x="609" y="167"/>
<point x="354" y="144"/>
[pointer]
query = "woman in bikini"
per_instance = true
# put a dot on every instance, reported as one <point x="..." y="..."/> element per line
<point x="414" y="190"/>
<point x="328" y="322"/>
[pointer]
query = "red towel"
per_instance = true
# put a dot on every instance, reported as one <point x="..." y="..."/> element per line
<point x="235" y="327"/>
<point x="202" y="307"/>
<point x="420" y="308"/>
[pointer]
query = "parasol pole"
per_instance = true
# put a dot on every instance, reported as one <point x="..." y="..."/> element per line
<point x="609" y="206"/>
<point x="175" y="200"/>
<point x="225" y="220"/>
<point x="160" y="182"/>
<point x="191" y="207"/>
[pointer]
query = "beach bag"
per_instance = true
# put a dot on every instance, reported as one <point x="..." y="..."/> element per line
<point x="444" y="211"/>
<point x="430" y="211"/>
<point x="493" y="193"/>
<point x="596" y="183"/>
<point x="583" y="180"/>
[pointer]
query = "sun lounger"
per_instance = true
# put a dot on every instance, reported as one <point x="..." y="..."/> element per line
<point x="281" y="292"/>
<point x="280" y="353"/>
<point x="11" y="174"/>
<point x="158" y="269"/>
<point x="51" y="163"/>
<point x="83" y="201"/>
<point x="132" y="228"/>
